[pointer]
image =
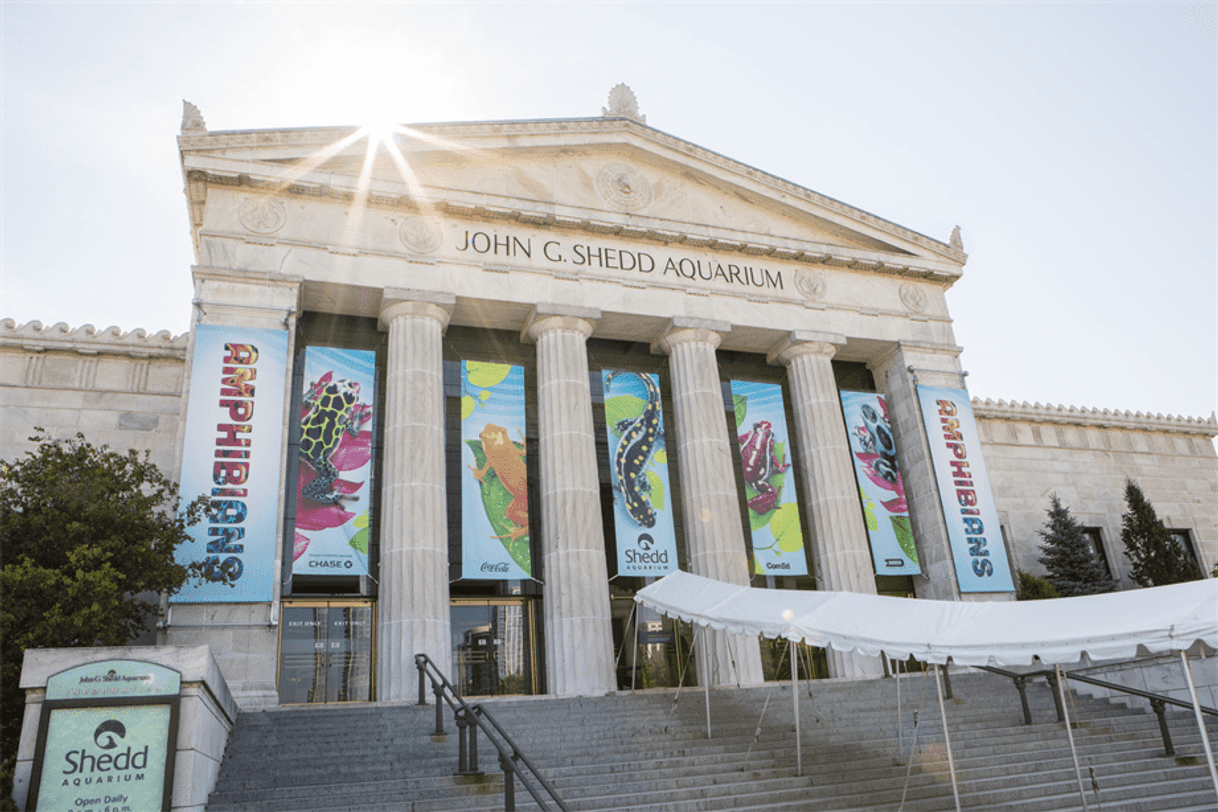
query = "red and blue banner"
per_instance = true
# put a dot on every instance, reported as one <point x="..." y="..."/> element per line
<point x="334" y="478"/>
<point x="231" y="453"/>
<point x="494" y="476"/>
<point x="964" y="489"/>
<point x="881" y="486"/>
<point x="769" y="482"/>
<point x="642" y="497"/>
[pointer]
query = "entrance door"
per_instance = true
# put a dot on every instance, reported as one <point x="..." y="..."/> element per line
<point x="661" y="659"/>
<point x="493" y="647"/>
<point x="325" y="652"/>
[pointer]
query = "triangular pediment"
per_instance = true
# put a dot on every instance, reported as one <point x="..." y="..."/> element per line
<point x="602" y="174"/>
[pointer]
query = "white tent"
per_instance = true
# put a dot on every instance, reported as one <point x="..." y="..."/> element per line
<point x="1166" y="618"/>
<point x="1111" y="626"/>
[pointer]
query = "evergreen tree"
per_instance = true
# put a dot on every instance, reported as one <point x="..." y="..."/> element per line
<point x="1157" y="559"/>
<point x="1074" y="568"/>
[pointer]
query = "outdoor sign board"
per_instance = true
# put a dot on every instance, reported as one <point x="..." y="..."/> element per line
<point x="106" y="739"/>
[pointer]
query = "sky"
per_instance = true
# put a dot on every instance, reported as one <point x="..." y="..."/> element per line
<point x="1074" y="145"/>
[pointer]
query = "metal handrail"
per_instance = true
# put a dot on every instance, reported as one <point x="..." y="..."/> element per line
<point x="468" y="719"/>
<point x="1158" y="702"/>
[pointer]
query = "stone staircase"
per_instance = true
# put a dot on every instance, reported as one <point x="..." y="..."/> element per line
<point x="649" y="752"/>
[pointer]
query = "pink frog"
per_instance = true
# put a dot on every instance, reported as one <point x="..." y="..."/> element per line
<point x="759" y="464"/>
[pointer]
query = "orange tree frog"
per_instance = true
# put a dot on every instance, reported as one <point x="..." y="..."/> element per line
<point x="507" y="461"/>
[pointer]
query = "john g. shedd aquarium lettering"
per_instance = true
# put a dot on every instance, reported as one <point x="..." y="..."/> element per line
<point x="586" y="255"/>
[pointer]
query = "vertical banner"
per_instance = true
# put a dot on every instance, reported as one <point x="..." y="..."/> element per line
<point x="964" y="488"/>
<point x="881" y="488"/>
<point x="494" y="478"/>
<point x="232" y="447"/>
<point x="642" y="511"/>
<point x="333" y="487"/>
<point x="761" y="425"/>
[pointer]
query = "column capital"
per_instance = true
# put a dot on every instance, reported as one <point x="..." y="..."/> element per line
<point x="547" y="317"/>
<point x="686" y="330"/>
<point x="401" y="303"/>
<point x="799" y="343"/>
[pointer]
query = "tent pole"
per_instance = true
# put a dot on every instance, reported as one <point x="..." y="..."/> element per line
<point x="634" y="658"/>
<point x="799" y="756"/>
<point x="900" y="719"/>
<point x="705" y="675"/>
<point x="947" y="739"/>
<point x="1205" y="738"/>
<point x="1078" y="771"/>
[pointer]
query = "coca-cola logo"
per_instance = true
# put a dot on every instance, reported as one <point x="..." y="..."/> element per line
<point x="500" y="566"/>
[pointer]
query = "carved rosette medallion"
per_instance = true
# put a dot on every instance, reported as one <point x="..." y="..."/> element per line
<point x="914" y="297"/>
<point x="811" y="284"/>
<point x="623" y="188"/>
<point x="262" y="215"/>
<point x="419" y="235"/>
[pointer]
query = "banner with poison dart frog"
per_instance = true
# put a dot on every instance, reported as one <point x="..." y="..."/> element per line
<point x="769" y="481"/>
<point x="638" y="460"/>
<point x="494" y="474"/>
<point x="881" y="486"/>
<point x="334" y="477"/>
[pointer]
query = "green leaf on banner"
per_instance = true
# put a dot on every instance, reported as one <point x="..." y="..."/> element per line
<point x="485" y="375"/>
<point x="467" y="406"/>
<point x="359" y="542"/>
<point x="661" y="457"/>
<point x="622" y="407"/>
<point x="656" y="496"/>
<point x="495" y="500"/>
<point x="741" y="404"/>
<point x="900" y="526"/>
<point x="868" y="511"/>
<point x="786" y="528"/>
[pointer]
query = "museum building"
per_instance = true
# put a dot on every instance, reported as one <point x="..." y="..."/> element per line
<point x="462" y="389"/>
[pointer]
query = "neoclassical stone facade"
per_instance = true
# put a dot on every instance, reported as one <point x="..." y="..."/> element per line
<point x="569" y="247"/>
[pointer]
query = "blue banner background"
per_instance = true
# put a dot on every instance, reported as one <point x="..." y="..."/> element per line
<point x="264" y="452"/>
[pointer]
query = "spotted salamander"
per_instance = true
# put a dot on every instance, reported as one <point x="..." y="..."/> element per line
<point x="637" y="442"/>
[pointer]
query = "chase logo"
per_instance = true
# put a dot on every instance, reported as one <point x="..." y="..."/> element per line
<point x="108" y="734"/>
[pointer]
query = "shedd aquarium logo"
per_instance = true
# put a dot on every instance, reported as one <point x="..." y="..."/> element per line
<point x="112" y="765"/>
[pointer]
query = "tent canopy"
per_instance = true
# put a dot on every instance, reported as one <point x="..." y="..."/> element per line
<point x="1109" y="626"/>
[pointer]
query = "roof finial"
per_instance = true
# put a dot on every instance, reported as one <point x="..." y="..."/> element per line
<point x="622" y="102"/>
<point x="955" y="241"/>
<point x="192" y="119"/>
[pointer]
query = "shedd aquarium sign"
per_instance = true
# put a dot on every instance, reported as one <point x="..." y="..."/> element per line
<point x="105" y="739"/>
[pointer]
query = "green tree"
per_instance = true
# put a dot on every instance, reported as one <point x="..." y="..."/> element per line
<point x="1034" y="588"/>
<point x="1157" y="559"/>
<point x="89" y="537"/>
<point x="1074" y="568"/>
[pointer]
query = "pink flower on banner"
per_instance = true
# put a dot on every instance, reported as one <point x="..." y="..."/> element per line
<point x="897" y="505"/>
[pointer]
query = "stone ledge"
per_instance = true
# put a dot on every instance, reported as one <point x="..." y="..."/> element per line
<point x="34" y="336"/>
<point x="988" y="409"/>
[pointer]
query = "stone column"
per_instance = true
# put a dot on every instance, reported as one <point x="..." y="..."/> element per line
<point x="895" y="375"/>
<point x="711" y="505"/>
<point x="413" y="610"/>
<point x="841" y="553"/>
<point x="579" y="634"/>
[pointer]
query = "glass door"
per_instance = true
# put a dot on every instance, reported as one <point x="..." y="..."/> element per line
<point x="325" y="652"/>
<point x="493" y="651"/>
<point x="661" y="659"/>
